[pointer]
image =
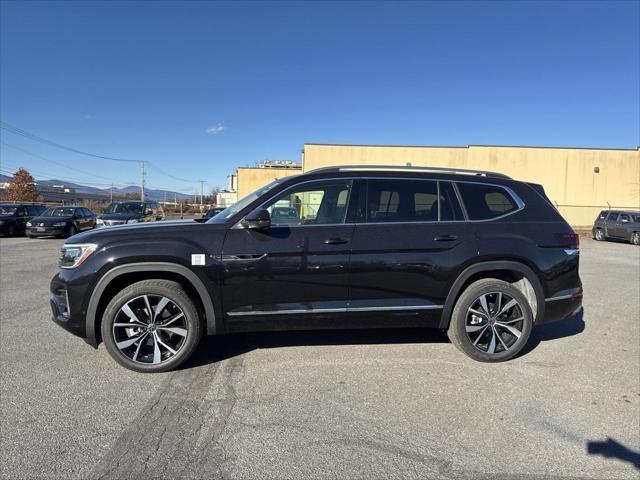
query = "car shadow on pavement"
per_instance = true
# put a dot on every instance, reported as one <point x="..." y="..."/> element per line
<point x="612" y="449"/>
<point x="567" y="327"/>
<point x="217" y="348"/>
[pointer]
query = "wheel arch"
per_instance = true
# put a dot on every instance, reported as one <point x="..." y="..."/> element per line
<point x="516" y="273"/>
<point x="120" y="276"/>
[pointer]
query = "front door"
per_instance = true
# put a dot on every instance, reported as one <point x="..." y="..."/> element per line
<point x="293" y="274"/>
<point x="610" y="224"/>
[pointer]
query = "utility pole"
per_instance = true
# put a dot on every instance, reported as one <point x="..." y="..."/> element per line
<point x="201" y="192"/>
<point x="142" y="180"/>
<point x="111" y="192"/>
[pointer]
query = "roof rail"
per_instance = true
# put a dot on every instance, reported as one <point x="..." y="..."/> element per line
<point x="408" y="168"/>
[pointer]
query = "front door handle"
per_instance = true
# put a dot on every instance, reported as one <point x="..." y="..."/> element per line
<point x="336" y="241"/>
<point x="446" y="238"/>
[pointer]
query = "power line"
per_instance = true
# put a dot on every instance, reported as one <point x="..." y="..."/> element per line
<point x="54" y="161"/>
<point x="36" y="138"/>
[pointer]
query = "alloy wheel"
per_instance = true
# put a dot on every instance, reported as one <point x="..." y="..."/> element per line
<point x="599" y="235"/>
<point x="150" y="329"/>
<point x="636" y="238"/>
<point x="494" y="322"/>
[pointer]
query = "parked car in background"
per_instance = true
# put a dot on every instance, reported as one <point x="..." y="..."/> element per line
<point x="14" y="217"/>
<point x="63" y="221"/>
<point x="120" y="213"/>
<point x="618" y="225"/>
<point x="212" y="212"/>
<point x="478" y="254"/>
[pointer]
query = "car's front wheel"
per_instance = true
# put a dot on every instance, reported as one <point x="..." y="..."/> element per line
<point x="599" y="235"/>
<point x="491" y="321"/>
<point x="151" y="326"/>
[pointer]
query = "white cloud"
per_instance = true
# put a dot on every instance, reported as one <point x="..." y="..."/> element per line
<point x="215" y="129"/>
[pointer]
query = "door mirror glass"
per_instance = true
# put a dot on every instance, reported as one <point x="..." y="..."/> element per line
<point x="259" y="219"/>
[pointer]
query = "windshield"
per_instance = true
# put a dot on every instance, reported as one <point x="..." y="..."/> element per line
<point x="129" y="207"/>
<point x="7" y="210"/>
<point x="58" y="212"/>
<point x="236" y="207"/>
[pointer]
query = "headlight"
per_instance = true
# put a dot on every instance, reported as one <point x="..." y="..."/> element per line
<point x="72" y="256"/>
<point x="133" y="220"/>
<point x="59" y="224"/>
<point x="28" y="224"/>
<point x="99" y="221"/>
<point x="1" y="222"/>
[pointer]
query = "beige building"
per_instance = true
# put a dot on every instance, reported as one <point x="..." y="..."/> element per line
<point x="580" y="181"/>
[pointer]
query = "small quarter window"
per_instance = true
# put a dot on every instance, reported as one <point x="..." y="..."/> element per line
<point x="484" y="202"/>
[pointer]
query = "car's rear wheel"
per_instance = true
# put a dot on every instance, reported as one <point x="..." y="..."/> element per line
<point x="635" y="238"/>
<point x="491" y="321"/>
<point x="599" y="235"/>
<point x="151" y="326"/>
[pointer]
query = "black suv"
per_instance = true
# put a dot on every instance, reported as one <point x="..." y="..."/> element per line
<point x="61" y="221"/>
<point x="14" y="217"/>
<point x="476" y="253"/>
<point x="120" y="213"/>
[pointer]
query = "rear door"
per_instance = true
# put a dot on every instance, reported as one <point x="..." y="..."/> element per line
<point x="410" y="235"/>
<point x="293" y="274"/>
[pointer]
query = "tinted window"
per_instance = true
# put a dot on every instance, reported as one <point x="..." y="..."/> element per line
<point x="449" y="206"/>
<point x="602" y="215"/>
<point x="624" y="218"/>
<point x="402" y="201"/>
<point x="612" y="217"/>
<point x="317" y="203"/>
<point x="33" y="210"/>
<point x="484" y="202"/>
<point x="635" y="218"/>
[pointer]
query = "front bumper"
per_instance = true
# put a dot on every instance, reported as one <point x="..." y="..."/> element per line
<point x="68" y="288"/>
<point x="47" y="231"/>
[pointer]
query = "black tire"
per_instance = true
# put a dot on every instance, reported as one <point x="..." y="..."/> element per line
<point x="31" y="236"/>
<point x="457" y="331"/>
<point x="599" y="236"/>
<point x="635" y="238"/>
<point x="153" y="288"/>
<point x="11" y="230"/>
<point x="71" y="231"/>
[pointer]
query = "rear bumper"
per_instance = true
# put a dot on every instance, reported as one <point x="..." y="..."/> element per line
<point x="561" y="306"/>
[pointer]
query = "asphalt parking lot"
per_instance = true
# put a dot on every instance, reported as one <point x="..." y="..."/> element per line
<point x="365" y="404"/>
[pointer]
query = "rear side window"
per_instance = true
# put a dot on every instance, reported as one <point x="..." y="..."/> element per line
<point x="484" y="202"/>
<point x="449" y="207"/>
<point x="402" y="201"/>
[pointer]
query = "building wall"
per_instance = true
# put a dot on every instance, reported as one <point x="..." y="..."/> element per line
<point x="251" y="179"/>
<point x="567" y="174"/>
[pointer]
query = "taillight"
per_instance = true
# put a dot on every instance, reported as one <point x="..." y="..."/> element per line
<point x="567" y="240"/>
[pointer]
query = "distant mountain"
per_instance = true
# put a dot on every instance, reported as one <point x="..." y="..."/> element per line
<point x="151" y="194"/>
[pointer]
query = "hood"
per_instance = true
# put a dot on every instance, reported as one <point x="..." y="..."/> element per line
<point x="120" y="216"/>
<point x="145" y="231"/>
<point x="51" y="219"/>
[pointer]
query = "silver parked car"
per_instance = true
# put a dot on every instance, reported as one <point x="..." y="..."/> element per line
<point x="618" y="225"/>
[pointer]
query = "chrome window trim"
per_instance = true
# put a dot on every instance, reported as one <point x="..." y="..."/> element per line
<point x="519" y="202"/>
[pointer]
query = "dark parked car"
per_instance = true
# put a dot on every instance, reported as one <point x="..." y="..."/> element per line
<point x="478" y="254"/>
<point x="212" y="212"/>
<point x="14" y="217"/>
<point x="61" y="222"/>
<point x="618" y="225"/>
<point x="120" y="213"/>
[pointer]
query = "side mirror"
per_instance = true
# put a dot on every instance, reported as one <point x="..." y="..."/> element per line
<point x="259" y="219"/>
<point x="148" y="211"/>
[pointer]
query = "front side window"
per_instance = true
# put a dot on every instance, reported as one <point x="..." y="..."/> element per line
<point x="402" y="201"/>
<point x="484" y="202"/>
<point x="317" y="203"/>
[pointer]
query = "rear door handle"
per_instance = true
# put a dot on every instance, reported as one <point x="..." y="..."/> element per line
<point x="446" y="238"/>
<point x="336" y="241"/>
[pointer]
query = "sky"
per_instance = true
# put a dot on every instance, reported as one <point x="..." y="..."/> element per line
<point x="200" y="88"/>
